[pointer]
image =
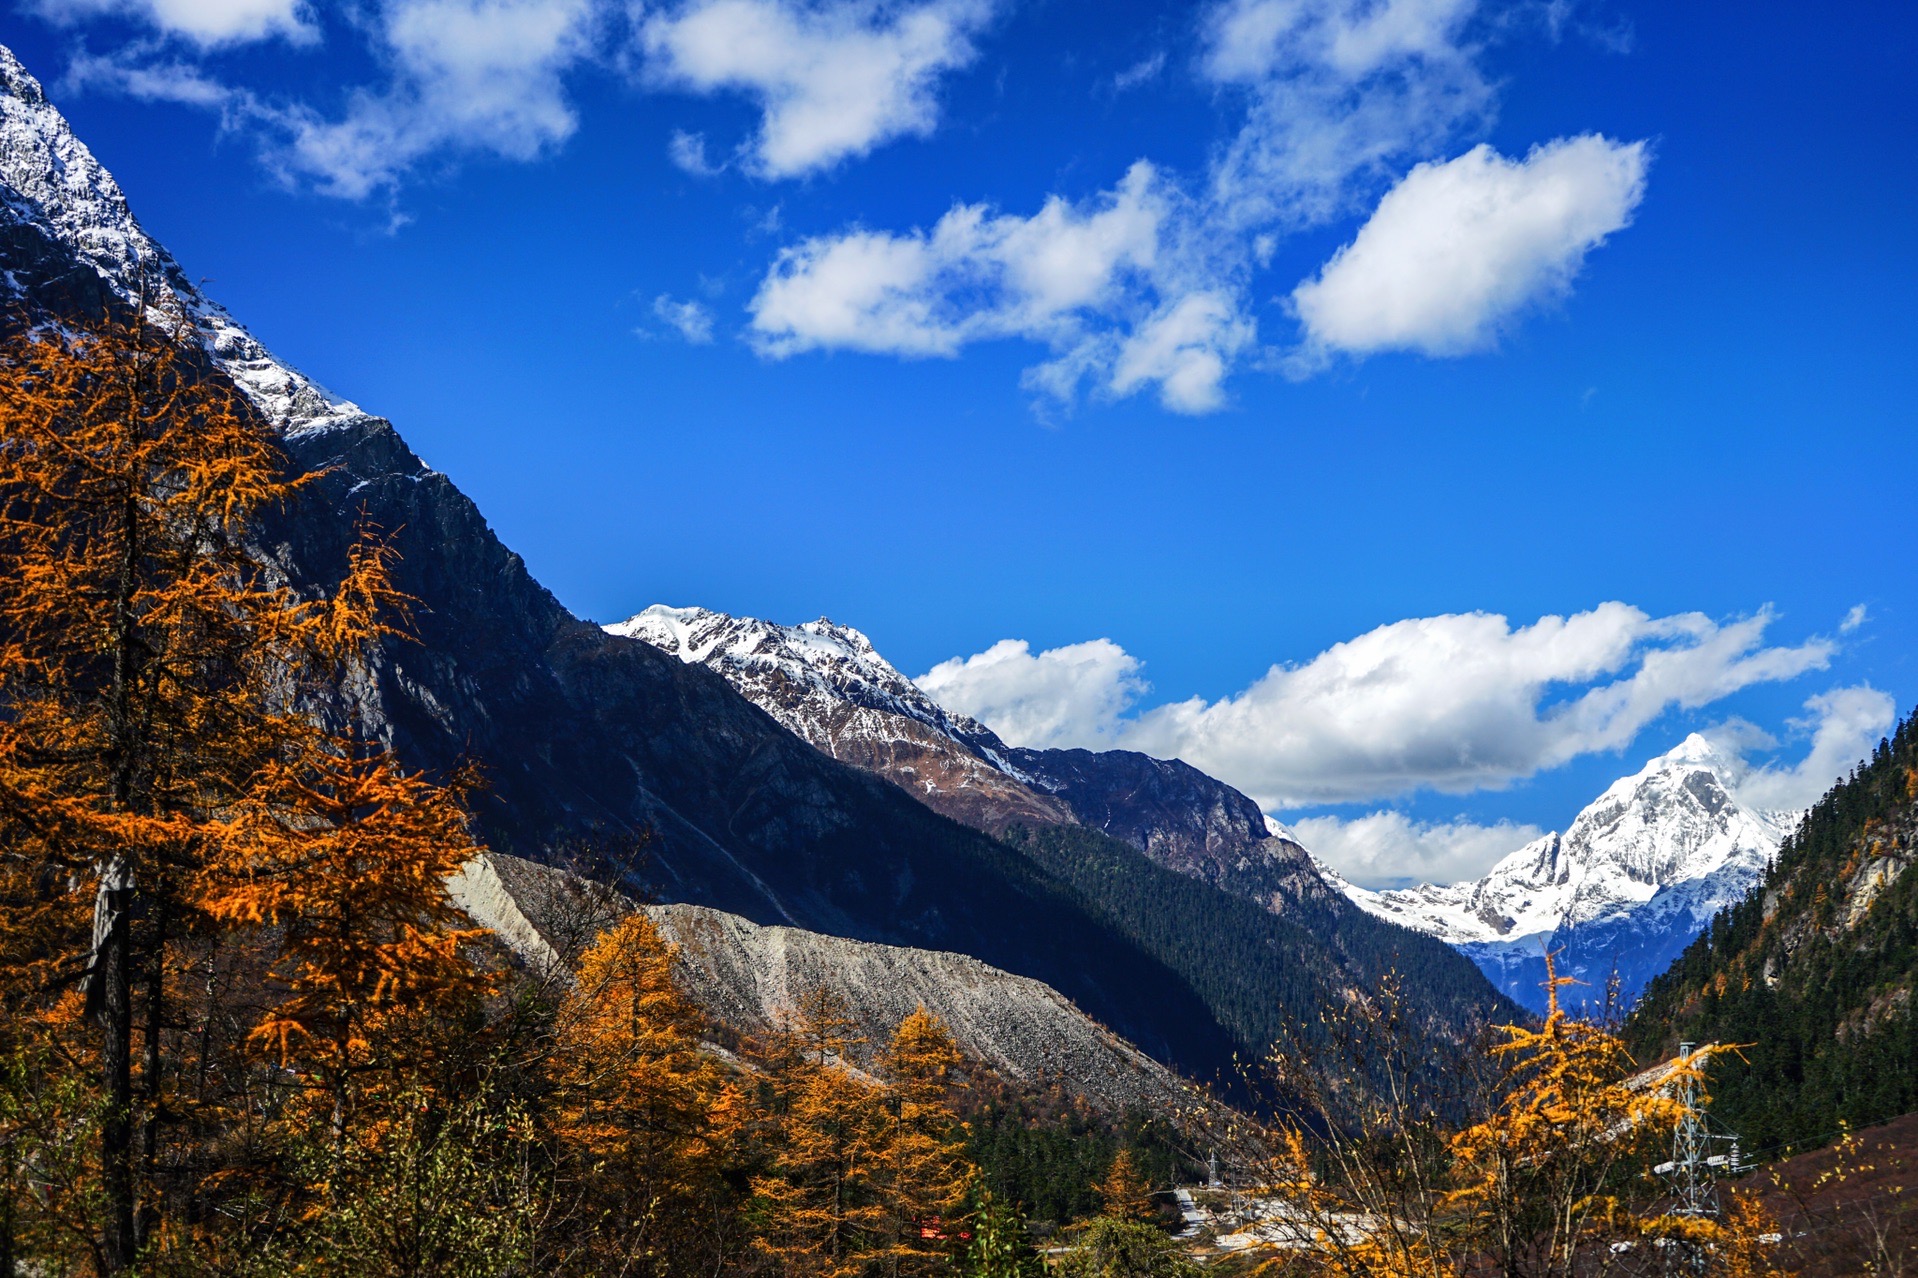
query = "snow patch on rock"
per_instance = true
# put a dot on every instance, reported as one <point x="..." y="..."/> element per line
<point x="49" y="179"/>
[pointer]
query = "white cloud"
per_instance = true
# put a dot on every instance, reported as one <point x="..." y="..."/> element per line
<point x="833" y="81"/>
<point x="1457" y="249"/>
<point x="464" y="75"/>
<point x="151" y="81"/>
<point x="1144" y="71"/>
<point x="1454" y="703"/>
<point x="688" y="153"/>
<point x="1464" y="702"/>
<point x="1101" y="283"/>
<point x="1388" y="849"/>
<point x="1185" y="349"/>
<point x="1336" y="96"/>
<point x="1337" y="92"/>
<point x="689" y="319"/>
<point x="1069" y="696"/>
<point x="203" y="22"/>
<point x="477" y="75"/>
<point x="1844" y="724"/>
<point x="1855" y="618"/>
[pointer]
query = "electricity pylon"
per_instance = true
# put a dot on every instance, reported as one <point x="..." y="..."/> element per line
<point x="1694" y="1169"/>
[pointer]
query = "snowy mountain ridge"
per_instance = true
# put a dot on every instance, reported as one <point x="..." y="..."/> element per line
<point x="830" y="662"/>
<point x="1637" y="874"/>
<point x="50" y="180"/>
<point x="827" y="684"/>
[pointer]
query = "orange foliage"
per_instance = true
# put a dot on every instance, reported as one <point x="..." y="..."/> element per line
<point x="1123" y="1192"/>
<point x="155" y="759"/>
<point x="648" y="1113"/>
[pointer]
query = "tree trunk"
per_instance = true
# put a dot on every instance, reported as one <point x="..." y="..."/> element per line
<point x="109" y="997"/>
<point x="8" y="1266"/>
<point x="151" y="1115"/>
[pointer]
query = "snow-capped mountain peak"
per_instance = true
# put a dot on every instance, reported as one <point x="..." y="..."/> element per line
<point x="817" y="667"/>
<point x="1630" y="881"/>
<point x="827" y="684"/>
<point x="51" y="182"/>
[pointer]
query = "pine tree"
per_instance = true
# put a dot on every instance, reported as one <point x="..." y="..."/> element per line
<point x="1001" y="1244"/>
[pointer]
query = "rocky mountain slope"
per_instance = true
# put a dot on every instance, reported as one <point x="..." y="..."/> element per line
<point x="1625" y="888"/>
<point x="1163" y="853"/>
<point x="746" y="978"/>
<point x="1813" y="970"/>
<point x="826" y="683"/>
<point x="581" y="733"/>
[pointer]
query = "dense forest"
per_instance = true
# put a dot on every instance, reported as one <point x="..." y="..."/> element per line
<point x="1263" y="975"/>
<point x="1811" y="974"/>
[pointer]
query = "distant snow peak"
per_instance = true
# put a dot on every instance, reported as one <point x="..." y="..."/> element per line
<point x="50" y="180"/>
<point x="803" y="675"/>
<point x="1628" y="884"/>
<point x="826" y="684"/>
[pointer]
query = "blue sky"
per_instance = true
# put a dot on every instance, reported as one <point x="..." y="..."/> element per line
<point x="1225" y="334"/>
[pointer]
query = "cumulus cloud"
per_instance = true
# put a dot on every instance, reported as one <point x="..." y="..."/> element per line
<point x="1336" y="93"/>
<point x="1388" y="849"/>
<point x="206" y="23"/>
<point x="1454" y="703"/>
<point x="473" y="75"/>
<point x="1069" y="696"/>
<point x="1336" y="96"/>
<point x="1101" y="282"/>
<point x="1844" y="726"/>
<point x="1855" y="618"/>
<point x="1457" y="249"/>
<point x="689" y="319"/>
<point x="1465" y="701"/>
<point x="832" y="81"/>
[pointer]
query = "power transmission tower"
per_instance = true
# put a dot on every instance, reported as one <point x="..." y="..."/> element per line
<point x="1694" y="1169"/>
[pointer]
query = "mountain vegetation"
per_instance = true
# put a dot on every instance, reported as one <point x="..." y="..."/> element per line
<point x="1259" y="972"/>
<point x="1541" y="1159"/>
<point x="1812" y="973"/>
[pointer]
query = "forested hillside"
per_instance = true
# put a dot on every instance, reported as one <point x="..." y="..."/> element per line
<point x="1262" y="975"/>
<point x="1813" y="971"/>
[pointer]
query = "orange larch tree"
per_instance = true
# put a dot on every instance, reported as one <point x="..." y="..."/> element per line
<point x="639" y="1106"/>
<point x="136" y="658"/>
<point x="924" y="1168"/>
<point x="157" y="753"/>
<point x="1123" y="1194"/>
<point x="819" y="1208"/>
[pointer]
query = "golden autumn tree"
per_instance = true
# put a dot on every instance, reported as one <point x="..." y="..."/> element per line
<point x="1123" y="1193"/>
<point x="344" y="855"/>
<point x="1557" y="1162"/>
<point x="924" y="1169"/>
<point x="1550" y="1178"/>
<point x="819" y="1209"/>
<point x="136" y="656"/>
<point x="156" y="759"/>
<point x="643" y="1111"/>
